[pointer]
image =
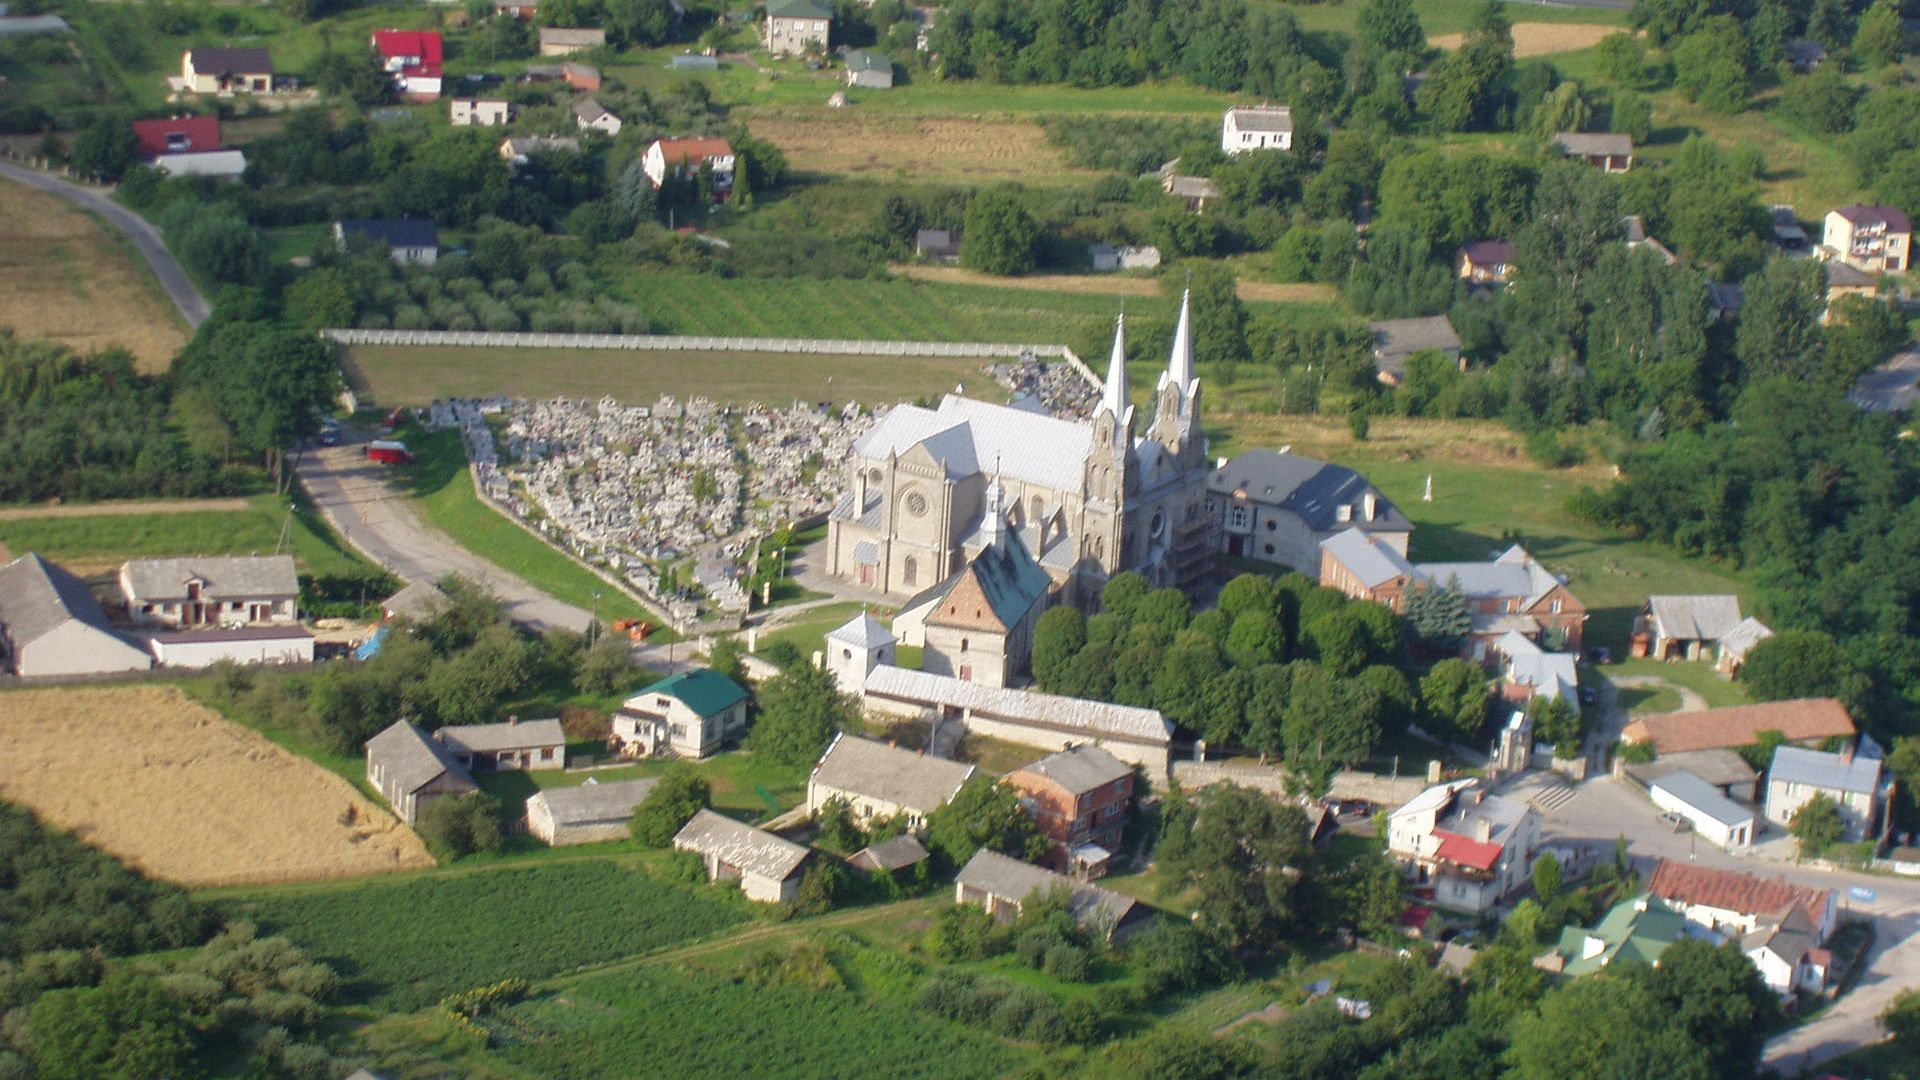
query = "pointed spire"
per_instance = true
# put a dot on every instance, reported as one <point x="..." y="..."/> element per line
<point x="993" y="526"/>
<point x="1114" y="400"/>
<point x="1180" y="367"/>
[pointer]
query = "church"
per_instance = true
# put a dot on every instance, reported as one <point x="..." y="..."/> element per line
<point x="1085" y="499"/>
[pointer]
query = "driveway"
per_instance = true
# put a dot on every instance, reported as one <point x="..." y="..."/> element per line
<point x="352" y="494"/>
<point x="1603" y="809"/>
<point x="180" y="287"/>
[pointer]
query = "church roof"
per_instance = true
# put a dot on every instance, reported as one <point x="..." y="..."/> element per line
<point x="969" y="437"/>
<point x="998" y="588"/>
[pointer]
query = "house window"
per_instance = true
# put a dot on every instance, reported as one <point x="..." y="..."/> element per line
<point x="662" y="703"/>
<point x="1271" y="525"/>
<point x="1269" y="549"/>
<point x="1237" y="517"/>
<point x="546" y="753"/>
<point x="1556" y="607"/>
<point x="1035" y="508"/>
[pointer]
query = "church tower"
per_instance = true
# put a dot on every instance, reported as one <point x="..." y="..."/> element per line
<point x="1176" y="406"/>
<point x="1109" y="474"/>
<point x="1168" y="532"/>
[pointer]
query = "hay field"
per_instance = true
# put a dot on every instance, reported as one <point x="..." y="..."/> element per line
<point x="174" y="789"/>
<point x="852" y="142"/>
<point x="1539" y="38"/>
<point x="66" y="277"/>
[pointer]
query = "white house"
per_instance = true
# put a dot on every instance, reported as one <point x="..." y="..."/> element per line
<point x="50" y="624"/>
<point x="878" y="781"/>
<point x="1107" y="258"/>
<point x="855" y="648"/>
<point x="1854" y="781"/>
<point x="211" y="590"/>
<point x="512" y="744"/>
<point x="1718" y="819"/>
<point x="1256" y="127"/>
<point x="217" y="164"/>
<point x="407" y="240"/>
<point x="477" y="112"/>
<point x="691" y="714"/>
<point x="684" y="157"/>
<point x="590" y="115"/>
<point x="241" y="645"/>
<point x="1466" y="848"/>
<point x="767" y="867"/>
<point x="586" y="813"/>
<point x="1780" y="926"/>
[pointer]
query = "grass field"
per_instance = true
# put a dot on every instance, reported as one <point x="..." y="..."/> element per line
<point x="1113" y="284"/>
<point x="406" y="943"/>
<point x="438" y="482"/>
<point x="180" y="793"/>
<point x="1441" y="17"/>
<point x="808" y="630"/>
<point x="744" y="786"/>
<point x="917" y="149"/>
<point x="388" y="375"/>
<point x="91" y="544"/>
<point x="67" y="277"/>
<point x="1698" y="677"/>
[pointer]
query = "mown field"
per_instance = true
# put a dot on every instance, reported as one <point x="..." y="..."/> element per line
<point x="744" y="785"/>
<point x="386" y="375"/>
<point x="913" y="149"/>
<point x="96" y="543"/>
<point x="405" y="944"/>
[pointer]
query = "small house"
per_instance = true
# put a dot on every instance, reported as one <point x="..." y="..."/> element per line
<point x="691" y="714"/>
<point x="1874" y="239"/>
<point x="1717" y="819"/>
<point x="411" y="769"/>
<point x="413" y="59"/>
<point x="1726" y="771"/>
<point x="878" y="781"/>
<point x="767" y="867"/>
<point x="1805" y="57"/>
<point x="1465" y="849"/>
<point x="227" y="71"/>
<point x="1364" y="568"/>
<point x="518" y="9"/>
<point x="176" y="135"/>
<point x="587" y="813"/>
<point x="939" y="245"/>
<point x="476" y="112"/>
<point x="1195" y="191"/>
<point x="855" y="648"/>
<point x="564" y="41"/>
<point x="407" y="240"/>
<point x="50" y="624"/>
<point x="1395" y="341"/>
<point x="1844" y="280"/>
<point x="519" y="150"/>
<point x="1002" y="886"/>
<point x="1605" y="151"/>
<point x="1636" y="930"/>
<point x="216" y="164"/>
<point x="1082" y="799"/>
<point x="1246" y="128"/>
<point x="512" y="744"/>
<point x="686" y="157"/>
<point x="1788" y="234"/>
<point x="590" y="115"/>
<point x="889" y="856"/>
<point x="1738" y="643"/>
<point x="869" y="70"/>
<point x="694" y="62"/>
<point x="1684" y="627"/>
<point x="1854" y="781"/>
<point x="217" y="590"/>
<point x="1532" y="672"/>
<point x="1638" y="239"/>
<point x="1485" y="262"/>
<point x="235" y="645"/>
<point x="795" y="26"/>
<point x="418" y="602"/>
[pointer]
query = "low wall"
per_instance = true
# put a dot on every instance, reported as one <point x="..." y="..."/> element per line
<point x="1347" y="784"/>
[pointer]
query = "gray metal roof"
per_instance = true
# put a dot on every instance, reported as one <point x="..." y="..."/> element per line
<point x="575" y="36"/>
<point x="1595" y="144"/>
<point x="1372" y="563"/>
<point x="1090" y="719"/>
<point x="887" y="773"/>
<point x="1080" y="769"/>
<point x="895" y="854"/>
<point x="1514" y="573"/>
<point x="1262" y="118"/>
<point x="863" y="631"/>
<point x="594" y="803"/>
<point x="1703" y="618"/>
<point x="37" y="596"/>
<point x="1313" y="490"/>
<point x="589" y="110"/>
<point x="1394" y="340"/>
<point x="223" y="575"/>
<point x="1192" y="187"/>
<point x="509" y="735"/>
<point x="411" y="758"/>
<point x="1720" y="767"/>
<point x="236" y="61"/>
<point x="1010" y="879"/>
<point x="1830" y="772"/>
<point x="1892" y="387"/>
<point x="1702" y="796"/>
<point x="971" y="437"/>
<point x="419" y="601"/>
<point x="750" y="850"/>
<point x="394" y="232"/>
<point x="289" y="632"/>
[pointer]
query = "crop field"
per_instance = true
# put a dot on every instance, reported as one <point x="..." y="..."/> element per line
<point x="663" y="1022"/>
<point x="1539" y="38"/>
<point x="66" y="277"/>
<point x="405" y="944"/>
<point x="180" y="793"/>
<point x="920" y="149"/>
<point x="1113" y="284"/>
<point x="89" y="544"/>
<point x="388" y="375"/>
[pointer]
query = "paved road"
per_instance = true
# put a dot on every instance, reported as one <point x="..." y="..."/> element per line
<point x="352" y="494"/>
<point x="1604" y="809"/>
<point x="180" y="287"/>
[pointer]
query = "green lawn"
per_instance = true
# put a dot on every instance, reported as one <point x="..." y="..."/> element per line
<point x="807" y="632"/>
<point x="97" y="542"/>
<point x="744" y="785"/>
<point x="1698" y="677"/>
<point x="439" y="484"/>
<point x="1445" y="16"/>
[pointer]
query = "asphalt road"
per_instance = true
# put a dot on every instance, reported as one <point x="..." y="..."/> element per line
<point x="352" y="494"/>
<point x="180" y="287"/>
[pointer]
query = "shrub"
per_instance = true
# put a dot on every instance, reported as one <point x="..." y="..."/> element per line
<point x="461" y="825"/>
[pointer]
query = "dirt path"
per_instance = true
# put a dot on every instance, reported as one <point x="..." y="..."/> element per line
<point x="1108" y="284"/>
<point x="118" y="508"/>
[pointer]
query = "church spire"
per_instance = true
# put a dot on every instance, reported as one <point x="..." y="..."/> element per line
<point x="1114" y="400"/>
<point x="993" y="526"/>
<point x="1180" y="367"/>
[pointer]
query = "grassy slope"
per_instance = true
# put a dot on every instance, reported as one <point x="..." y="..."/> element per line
<point x="98" y="542"/>
<point x="441" y="489"/>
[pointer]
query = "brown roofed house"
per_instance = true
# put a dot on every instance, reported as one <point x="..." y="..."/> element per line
<point x="227" y="71"/>
<point x="1803" y="721"/>
<point x="1485" y="262"/>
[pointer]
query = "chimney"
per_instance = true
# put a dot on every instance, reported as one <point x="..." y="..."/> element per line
<point x="1846" y="751"/>
<point x="512" y="719"/>
<point x="1372" y="503"/>
<point x="1482" y="830"/>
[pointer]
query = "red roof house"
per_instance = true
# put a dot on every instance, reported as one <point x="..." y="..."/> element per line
<point x="685" y="156"/>
<point x="1745" y="896"/>
<point x="177" y="135"/>
<point x="1803" y="720"/>
<point x="1466" y="851"/>
<point x="414" y="57"/>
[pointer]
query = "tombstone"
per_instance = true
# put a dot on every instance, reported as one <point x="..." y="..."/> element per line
<point x="1433" y="771"/>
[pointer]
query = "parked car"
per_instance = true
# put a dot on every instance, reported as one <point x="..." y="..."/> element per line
<point x="388" y="452"/>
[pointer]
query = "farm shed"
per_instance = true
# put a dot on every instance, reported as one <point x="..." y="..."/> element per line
<point x="890" y="855"/>
<point x="410" y="769"/>
<point x="242" y="645"/>
<point x="588" y="813"/>
<point x="1001" y="885"/>
<point x="879" y="781"/>
<point x="533" y="744"/>
<point x="50" y="624"/>
<point x="419" y="601"/>
<point x="767" y="867"/>
<point x="1713" y="815"/>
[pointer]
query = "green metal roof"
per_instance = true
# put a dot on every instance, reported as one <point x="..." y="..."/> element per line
<point x="1011" y="579"/>
<point x="797" y="9"/>
<point x="704" y="690"/>
<point x="1628" y="933"/>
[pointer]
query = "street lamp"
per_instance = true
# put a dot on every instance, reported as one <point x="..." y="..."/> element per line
<point x="593" y="620"/>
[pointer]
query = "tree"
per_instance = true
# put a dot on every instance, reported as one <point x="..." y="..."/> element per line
<point x="1057" y="639"/>
<point x="1249" y="592"/>
<point x="1797" y="664"/>
<point x="1464" y="90"/>
<point x="1717" y="997"/>
<point x="1001" y="236"/>
<point x="1712" y="65"/>
<point x="1779" y="331"/>
<point x="1602" y="1028"/>
<point x="725" y="658"/>
<point x="1557" y="721"/>
<point x="1439" y="616"/>
<point x="320" y="299"/>
<point x="1122" y="593"/>
<point x="1340" y="640"/>
<point x="469" y="686"/>
<point x="607" y="666"/>
<point x="1329" y="721"/>
<point x="1901" y="1018"/>
<point x="127" y="1028"/>
<point x="1244" y="853"/>
<point x="1219" y="317"/>
<point x="1817" y="825"/>
<point x="105" y="147"/>
<point x="1453" y="699"/>
<point x="456" y="826"/>
<point x="984" y="813"/>
<point x="639" y="22"/>
<point x="1255" y="638"/>
<point x="1877" y="40"/>
<point x="1632" y="116"/>
<point x="1546" y="878"/>
<point x="1390" y="26"/>
<point x="1823" y="100"/>
<point x="800" y="709"/>
<point x="679" y="795"/>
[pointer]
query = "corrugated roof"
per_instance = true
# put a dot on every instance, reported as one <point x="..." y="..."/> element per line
<point x="1741" y="725"/>
<point x="572" y="36"/>
<point x="750" y="850"/>
<point x="704" y="690"/>
<point x="1396" y="339"/>
<point x="1719" y="767"/>
<point x="1466" y="851"/>
<point x="419" y="601"/>
<point x="394" y="232"/>
<point x="1090" y="719"/>
<point x="1702" y="618"/>
<point x="1514" y="574"/>
<point x="1832" y="772"/>
<point x="685" y="151"/>
<point x="594" y="803"/>
<point x="1702" y="796"/>
<point x="1742" y="638"/>
<point x="889" y="774"/>
<point x="176" y="134"/>
<point x="1733" y="890"/>
<point x="509" y="735"/>
<point x="223" y="575"/>
<point x="1079" y="769"/>
<point x="1010" y="879"/>
<point x="412" y="759"/>
<point x="37" y="596"/>
<point x="1313" y="490"/>
<point x="1373" y="563"/>
<point x="231" y="61"/>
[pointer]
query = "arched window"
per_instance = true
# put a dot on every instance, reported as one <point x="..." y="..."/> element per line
<point x="1036" y="509"/>
<point x="910" y="570"/>
<point x="873" y="477"/>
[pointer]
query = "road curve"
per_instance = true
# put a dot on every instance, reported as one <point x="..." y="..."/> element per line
<point x="180" y="288"/>
<point x="352" y="494"/>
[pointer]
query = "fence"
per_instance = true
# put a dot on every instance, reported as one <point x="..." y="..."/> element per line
<point x="692" y="343"/>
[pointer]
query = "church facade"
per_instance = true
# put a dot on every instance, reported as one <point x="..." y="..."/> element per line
<point x="1087" y="499"/>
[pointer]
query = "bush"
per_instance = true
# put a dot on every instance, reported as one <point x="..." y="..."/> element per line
<point x="680" y="794"/>
<point x="461" y="825"/>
